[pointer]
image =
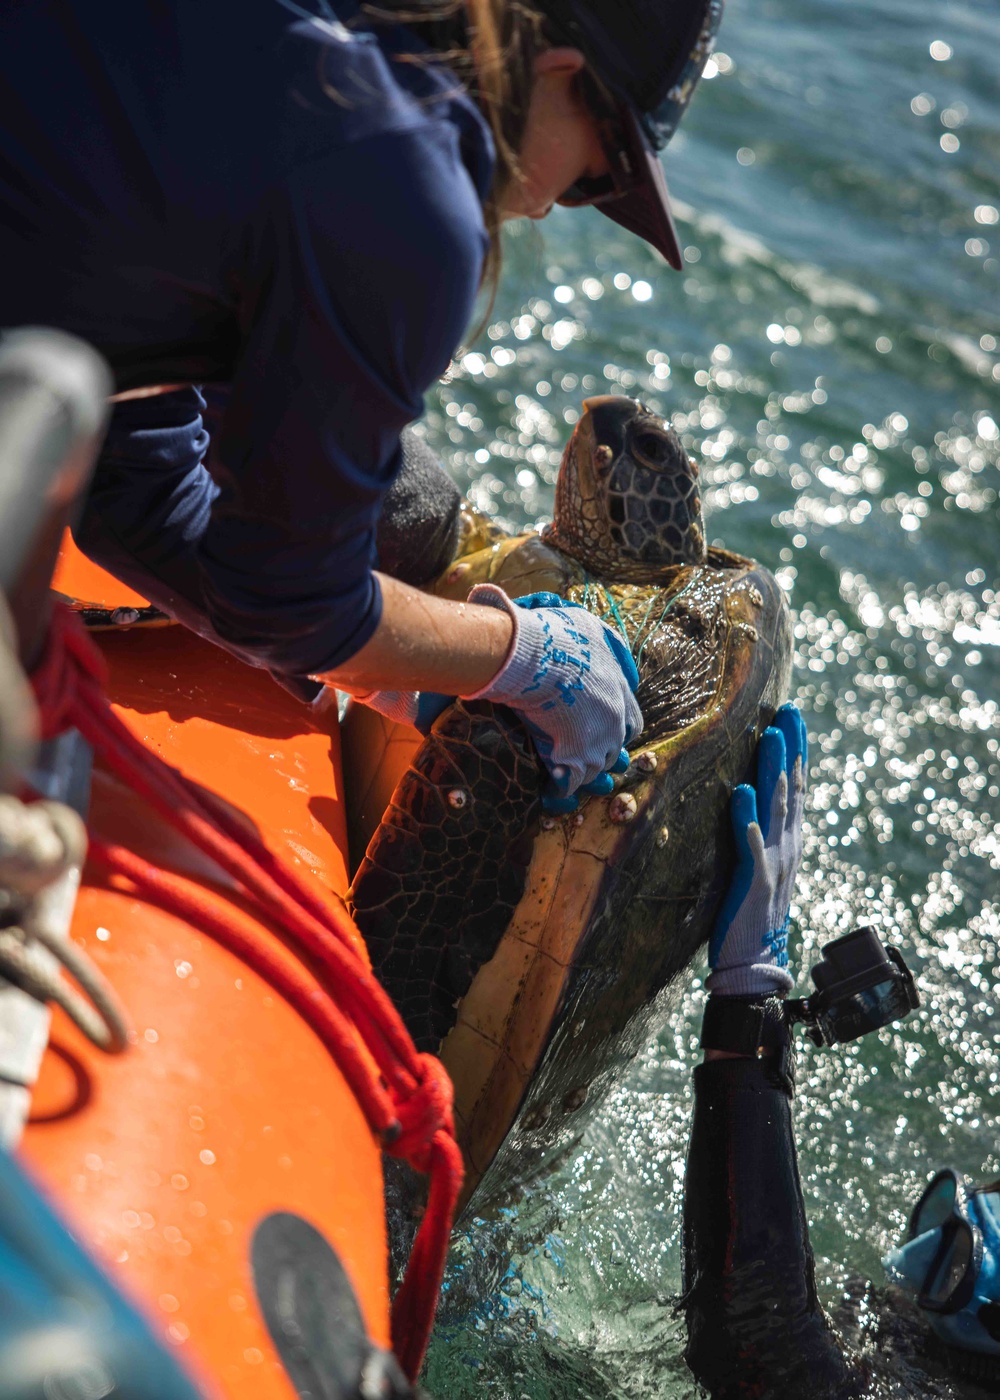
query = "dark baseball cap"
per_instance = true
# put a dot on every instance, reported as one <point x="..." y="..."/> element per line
<point x="647" y="57"/>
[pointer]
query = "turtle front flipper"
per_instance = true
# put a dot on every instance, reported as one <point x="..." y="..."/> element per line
<point x="476" y="531"/>
<point x="448" y="864"/>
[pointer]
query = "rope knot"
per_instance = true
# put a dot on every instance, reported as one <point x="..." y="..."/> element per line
<point x="423" y="1113"/>
<point x="68" y="662"/>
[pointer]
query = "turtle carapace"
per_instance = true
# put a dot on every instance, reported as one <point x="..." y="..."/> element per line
<point x="533" y="949"/>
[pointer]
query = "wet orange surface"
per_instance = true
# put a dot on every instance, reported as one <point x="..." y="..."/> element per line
<point x="226" y="1107"/>
<point x="76" y="577"/>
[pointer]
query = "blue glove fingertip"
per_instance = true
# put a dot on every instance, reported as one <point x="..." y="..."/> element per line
<point x="555" y="798"/>
<point x="430" y="704"/>
<point x="770" y="763"/>
<point x="621" y="763"/>
<point x="743" y="810"/>
<point x="789" y="721"/>
<point x="599" y="786"/>
<point x="559" y="806"/>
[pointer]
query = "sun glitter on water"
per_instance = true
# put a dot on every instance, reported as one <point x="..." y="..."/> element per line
<point x="831" y="353"/>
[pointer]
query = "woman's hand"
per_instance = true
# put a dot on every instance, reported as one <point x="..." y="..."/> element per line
<point x="748" y="952"/>
<point x="570" y="678"/>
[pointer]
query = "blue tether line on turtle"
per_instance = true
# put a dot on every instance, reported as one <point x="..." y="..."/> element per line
<point x="645" y="619"/>
<point x="618" y="617"/>
<point x="614" y="609"/>
<point x="666" y="608"/>
<point x="613" y="606"/>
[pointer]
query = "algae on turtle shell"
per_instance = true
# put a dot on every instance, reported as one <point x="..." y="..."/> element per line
<point x="538" y="952"/>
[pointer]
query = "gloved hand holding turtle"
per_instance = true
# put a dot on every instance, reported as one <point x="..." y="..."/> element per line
<point x="418" y="708"/>
<point x="570" y="678"/>
<point x="748" y="951"/>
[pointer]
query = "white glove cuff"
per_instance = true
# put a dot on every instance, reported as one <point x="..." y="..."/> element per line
<point x="753" y="980"/>
<point x="488" y="595"/>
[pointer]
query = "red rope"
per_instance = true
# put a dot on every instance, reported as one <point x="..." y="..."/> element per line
<point x="407" y="1097"/>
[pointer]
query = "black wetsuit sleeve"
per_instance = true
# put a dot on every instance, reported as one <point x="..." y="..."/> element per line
<point x="755" y="1325"/>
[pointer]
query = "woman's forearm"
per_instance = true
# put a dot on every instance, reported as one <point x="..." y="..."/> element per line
<point x="427" y="643"/>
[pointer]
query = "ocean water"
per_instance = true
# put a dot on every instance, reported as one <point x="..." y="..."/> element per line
<point x="831" y="353"/>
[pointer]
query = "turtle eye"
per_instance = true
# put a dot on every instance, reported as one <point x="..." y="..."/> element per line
<point x="654" y="450"/>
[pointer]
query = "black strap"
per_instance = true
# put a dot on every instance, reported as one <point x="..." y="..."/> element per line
<point x="757" y="1027"/>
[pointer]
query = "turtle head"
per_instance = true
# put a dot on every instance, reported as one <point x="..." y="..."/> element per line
<point x="627" y="502"/>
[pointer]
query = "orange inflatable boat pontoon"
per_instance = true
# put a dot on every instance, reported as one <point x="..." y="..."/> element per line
<point x="223" y="1162"/>
<point x="226" y="1108"/>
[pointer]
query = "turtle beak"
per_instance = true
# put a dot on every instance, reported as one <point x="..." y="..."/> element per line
<point x="609" y="416"/>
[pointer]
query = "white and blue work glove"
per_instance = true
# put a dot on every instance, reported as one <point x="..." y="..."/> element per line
<point x="571" y="679"/>
<point x="418" y="708"/>
<point x="748" y="951"/>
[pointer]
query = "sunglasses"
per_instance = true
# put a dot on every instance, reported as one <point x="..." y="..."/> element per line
<point x="620" y="142"/>
<point x="950" y="1280"/>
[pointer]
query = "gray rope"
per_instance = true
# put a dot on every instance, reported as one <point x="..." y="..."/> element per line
<point x="39" y="844"/>
<point x="97" y="1014"/>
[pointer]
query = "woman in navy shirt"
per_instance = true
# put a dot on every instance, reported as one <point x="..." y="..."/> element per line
<point x="299" y="208"/>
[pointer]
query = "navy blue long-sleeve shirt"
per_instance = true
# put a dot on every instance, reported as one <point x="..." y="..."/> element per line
<point x="218" y="191"/>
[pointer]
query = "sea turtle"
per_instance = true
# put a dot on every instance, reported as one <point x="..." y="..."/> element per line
<point x="530" y="948"/>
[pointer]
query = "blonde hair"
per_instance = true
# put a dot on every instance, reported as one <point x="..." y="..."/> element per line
<point x="496" y="65"/>
<point x="505" y="36"/>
